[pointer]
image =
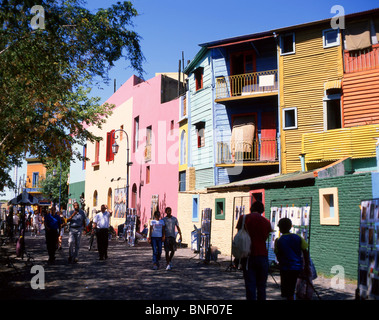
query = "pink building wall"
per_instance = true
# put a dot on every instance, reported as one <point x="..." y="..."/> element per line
<point x="164" y="151"/>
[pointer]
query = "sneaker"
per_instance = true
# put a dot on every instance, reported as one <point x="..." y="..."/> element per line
<point x="168" y="266"/>
<point x="155" y="267"/>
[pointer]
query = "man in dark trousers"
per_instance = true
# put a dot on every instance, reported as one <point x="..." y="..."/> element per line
<point x="53" y="224"/>
<point x="101" y="227"/>
<point x="255" y="271"/>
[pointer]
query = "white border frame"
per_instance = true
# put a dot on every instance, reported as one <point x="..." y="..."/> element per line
<point x="284" y="118"/>
<point x="293" y="43"/>
<point x="337" y="43"/>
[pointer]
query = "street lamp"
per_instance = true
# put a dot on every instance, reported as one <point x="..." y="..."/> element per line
<point x="115" y="148"/>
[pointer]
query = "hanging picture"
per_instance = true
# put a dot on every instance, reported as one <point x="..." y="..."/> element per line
<point x="119" y="203"/>
<point x="306" y="212"/>
<point x="273" y="217"/>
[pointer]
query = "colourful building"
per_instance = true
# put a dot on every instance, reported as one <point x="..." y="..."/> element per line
<point x="147" y="111"/>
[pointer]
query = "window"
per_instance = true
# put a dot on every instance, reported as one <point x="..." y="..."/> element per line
<point x="110" y="141"/>
<point x="35" y="179"/>
<point x="147" y="174"/>
<point x="95" y="198"/>
<point x="287" y="43"/>
<point x="333" y="117"/>
<point x="200" y="130"/>
<point x="149" y="132"/>
<point x="97" y="152"/>
<point x="220" y="209"/>
<point x="330" y="38"/>
<point x="183" y="138"/>
<point x="172" y="127"/>
<point x="329" y="213"/>
<point x="182" y="181"/>
<point x="242" y="62"/>
<point x="289" y="118"/>
<point x="136" y="133"/>
<point x="85" y="156"/>
<point x="109" y="200"/>
<point x="195" y="208"/>
<point x="199" y="78"/>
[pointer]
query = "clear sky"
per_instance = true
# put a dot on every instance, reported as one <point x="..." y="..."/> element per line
<point x="170" y="27"/>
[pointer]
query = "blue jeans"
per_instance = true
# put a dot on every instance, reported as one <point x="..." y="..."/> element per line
<point x="256" y="277"/>
<point x="156" y="244"/>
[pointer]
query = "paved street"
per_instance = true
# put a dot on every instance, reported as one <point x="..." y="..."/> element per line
<point x="127" y="275"/>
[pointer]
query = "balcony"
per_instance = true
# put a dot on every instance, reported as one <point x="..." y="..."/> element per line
<point x="259" y="152"/>
<point x="247" y="85"/>
<point x="356" y="142"/>
<point x="360" y="60"/>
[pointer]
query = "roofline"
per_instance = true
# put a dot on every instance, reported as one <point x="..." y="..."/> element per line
<point x="253" y="36"/>
<point x="195" y="60"/>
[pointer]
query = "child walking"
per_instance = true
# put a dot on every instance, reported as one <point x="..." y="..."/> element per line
<point x="290" y="250"/>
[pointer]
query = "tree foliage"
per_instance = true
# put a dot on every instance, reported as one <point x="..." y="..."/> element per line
<point x="45" y="75"/>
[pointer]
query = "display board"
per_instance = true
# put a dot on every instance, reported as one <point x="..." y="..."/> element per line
<point x="130" y="226"/>
<point x="205" y="235"/>
<point x="298" y="210"/>
<point x="368" y="260"/>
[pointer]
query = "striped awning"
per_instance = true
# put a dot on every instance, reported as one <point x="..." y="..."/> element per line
<point x="335" y="84"/>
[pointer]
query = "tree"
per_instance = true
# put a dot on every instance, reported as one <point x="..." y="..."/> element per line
<point x="55" y="185"/>
<point x="46" y="73"/>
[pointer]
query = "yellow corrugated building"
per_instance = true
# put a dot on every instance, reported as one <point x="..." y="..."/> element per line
<point x="304" y="72"/>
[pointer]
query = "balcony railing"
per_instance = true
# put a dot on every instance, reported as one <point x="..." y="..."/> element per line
<point x="260" y="150"/>
<point x="247" y="84"/>
<point x="361" y="60"/>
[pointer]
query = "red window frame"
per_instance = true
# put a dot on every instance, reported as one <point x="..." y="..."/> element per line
<point x="110" y="141"/>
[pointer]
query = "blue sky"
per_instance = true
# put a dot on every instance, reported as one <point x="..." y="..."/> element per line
<point x="170" y="27"/>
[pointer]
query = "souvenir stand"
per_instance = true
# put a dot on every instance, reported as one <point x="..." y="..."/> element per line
<point x="368" y="259"/>
<point x="296" y="209"/>
<point x="130" y="226"/>
<point x="205" y="235"/>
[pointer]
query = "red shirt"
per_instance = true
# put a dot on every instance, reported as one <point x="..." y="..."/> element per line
<point x="259" y="229"/>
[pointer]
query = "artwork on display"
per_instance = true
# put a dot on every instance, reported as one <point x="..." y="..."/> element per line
<point x="299" y="217"/>
<point x="120" y="203"/>
<point x="368" y="257"/>
<point x="205" y="234"/>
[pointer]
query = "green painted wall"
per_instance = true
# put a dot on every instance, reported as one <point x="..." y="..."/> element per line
<point x="75" y="190"/>
<point x="332" y="245"/>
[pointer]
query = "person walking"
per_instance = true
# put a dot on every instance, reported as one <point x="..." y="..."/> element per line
<point x="291" y="250"/>
<point x="156" y="237"/>
<point x="53" y="224"/>
<point x="255" y="272"/>
<point x="101" y="227"/>
<point x="36" y="221"/>
<point x="77" y="221"/>
<point x="170" y="245"/>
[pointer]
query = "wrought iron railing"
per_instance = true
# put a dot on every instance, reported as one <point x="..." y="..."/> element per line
<point x="247" y="84"/>
<point x="259" y="150"/>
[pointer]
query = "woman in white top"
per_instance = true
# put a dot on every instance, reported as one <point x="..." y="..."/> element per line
<point x="156" y="238"/>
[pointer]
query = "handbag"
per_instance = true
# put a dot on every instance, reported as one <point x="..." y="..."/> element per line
<point x="241" y="243"/>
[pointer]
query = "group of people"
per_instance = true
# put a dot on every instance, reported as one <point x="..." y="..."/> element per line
<point x="291" y="251"/>
<point x="76" y="221"/>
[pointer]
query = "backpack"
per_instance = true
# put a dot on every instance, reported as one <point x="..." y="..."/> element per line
<point x="241" y="243"/>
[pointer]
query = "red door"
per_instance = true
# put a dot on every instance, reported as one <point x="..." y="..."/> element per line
<point x="268" y="137"/>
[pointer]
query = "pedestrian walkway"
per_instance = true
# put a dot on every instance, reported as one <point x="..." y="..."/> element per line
<point x="127" y="275"/>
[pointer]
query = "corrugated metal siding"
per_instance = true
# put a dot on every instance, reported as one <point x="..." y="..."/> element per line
<point x="302" y="86"/>
<point x="361" y="98"/>
<point x="204" y="178"/>
<point x="355" y="142"/>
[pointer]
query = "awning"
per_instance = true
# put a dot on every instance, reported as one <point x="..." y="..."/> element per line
<point x="357" y="35"/>
<point x="335" y="84"/>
